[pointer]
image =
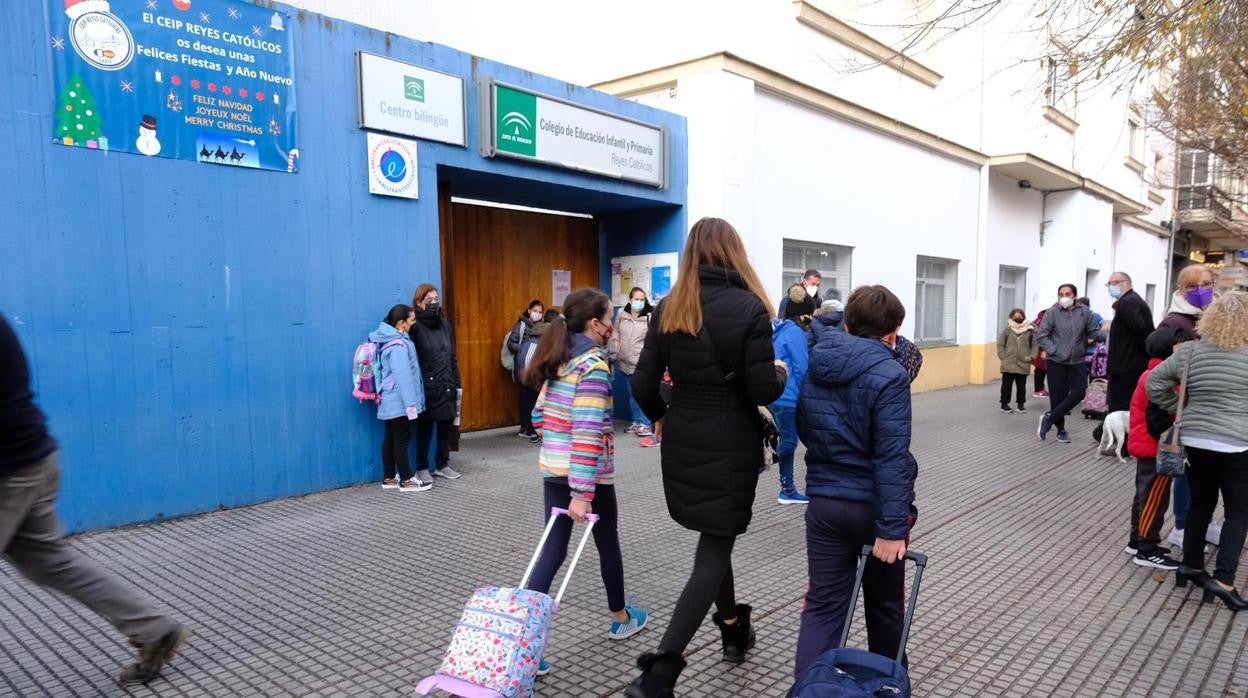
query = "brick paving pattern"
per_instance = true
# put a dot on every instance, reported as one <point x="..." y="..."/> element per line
<point x="354" y="592"/>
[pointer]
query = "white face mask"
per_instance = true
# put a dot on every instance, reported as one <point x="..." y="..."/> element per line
<point x="535" y="316"/>
<point x="1065" y="301"/>
<point x="813" y="291"/>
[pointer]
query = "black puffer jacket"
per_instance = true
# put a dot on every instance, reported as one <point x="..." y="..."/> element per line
<point x="439" y="366"/>
<point x="712" y="445"/>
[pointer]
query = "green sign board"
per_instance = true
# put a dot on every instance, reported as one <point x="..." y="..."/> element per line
<point x="516" y="128"/>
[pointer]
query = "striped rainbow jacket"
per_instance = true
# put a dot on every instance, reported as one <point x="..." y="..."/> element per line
<point x="574" y="416"/>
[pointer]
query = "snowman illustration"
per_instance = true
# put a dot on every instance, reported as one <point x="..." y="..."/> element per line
<point x="146" y="143"/>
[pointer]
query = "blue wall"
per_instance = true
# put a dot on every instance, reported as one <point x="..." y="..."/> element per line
<point x="190" y="326"/>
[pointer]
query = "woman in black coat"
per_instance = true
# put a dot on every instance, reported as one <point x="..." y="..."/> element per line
<point x="713" y="334"/>
<point x="439" y="367"/>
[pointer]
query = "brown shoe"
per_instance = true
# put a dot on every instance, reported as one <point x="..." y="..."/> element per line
<point x="153" y="656"/>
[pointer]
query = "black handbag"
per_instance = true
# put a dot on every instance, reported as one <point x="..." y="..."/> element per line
<point x="1171" y="458"/>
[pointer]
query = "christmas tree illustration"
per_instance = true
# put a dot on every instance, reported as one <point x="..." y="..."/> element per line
<point x="77" y="118"/>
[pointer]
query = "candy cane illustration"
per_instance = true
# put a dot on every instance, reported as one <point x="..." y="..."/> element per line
<point x="290" y="159"/>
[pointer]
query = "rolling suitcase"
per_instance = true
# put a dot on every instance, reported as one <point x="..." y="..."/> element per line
<point x="501" y="635"/>
<point x="847" y="672"/>
<point x="1096" y="401"/>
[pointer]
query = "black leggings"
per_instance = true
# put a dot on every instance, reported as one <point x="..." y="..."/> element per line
<point x="556" y="493"/>
<point x="711" y="582"/>
<point x="394" y="448"/>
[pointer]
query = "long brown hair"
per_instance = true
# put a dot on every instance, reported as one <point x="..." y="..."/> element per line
<point x="419" y="296"/>
<point x="712" y="242"/>
<point x="555" y="349"/>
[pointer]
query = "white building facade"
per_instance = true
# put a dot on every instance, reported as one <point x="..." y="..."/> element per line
<point x="966" y="173"/>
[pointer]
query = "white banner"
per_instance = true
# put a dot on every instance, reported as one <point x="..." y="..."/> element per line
<point x="410" y="100"/>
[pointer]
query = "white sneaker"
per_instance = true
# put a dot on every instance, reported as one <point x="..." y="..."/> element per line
<point x="1175" y="538"/>
<point x="1213" y="535"/>
<point x="447" y="472"/>
<point x="632" y="428"/>
<point x="643" y="431"/>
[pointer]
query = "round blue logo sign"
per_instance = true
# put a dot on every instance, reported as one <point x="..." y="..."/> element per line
<point x="393" y="166"/>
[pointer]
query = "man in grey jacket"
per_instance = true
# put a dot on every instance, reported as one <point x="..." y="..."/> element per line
<point x="1065" y="333"/>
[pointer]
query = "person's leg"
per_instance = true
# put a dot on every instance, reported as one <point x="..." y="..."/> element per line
<point x="1182" y="495"/>
<point x="1007" y="381"/>
<point x="711" y="562"/>
<point x="401" y="436"/>
<point x="1020" y="389"/>
<point x="1202" y="482"/>
<point x="424" y="437"/>
<point x="1040" y="374"/>
<point x="387" y="451"/>
<point x="32" y="540"/>
<point x="1076" y="389"/>
<point x="884" y="604"/>
<point x="1233" y="471"/>
<point x="1153" y="500"/>
<point x="639" y="415"/>
<point x="444" y="443"/>
<point x="1145" y="475"/>
<point x="836" y="530"/>
<point x="1120" y="389"/>
<point x="1059" y="385"/>
<point x="528" y="399"/>
<point x="607" y="541"/>
<point x="786" y="423"/>
<point x="555" y="493"/>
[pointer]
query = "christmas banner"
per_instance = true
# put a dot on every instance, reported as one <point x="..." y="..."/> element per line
<point x="204" y="80"/>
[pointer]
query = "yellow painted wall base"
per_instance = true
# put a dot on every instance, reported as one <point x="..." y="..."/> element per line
<point x="964" y="364"/>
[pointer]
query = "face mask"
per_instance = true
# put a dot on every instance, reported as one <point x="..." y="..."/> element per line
<point x="606" y="334"/>
<point x="1065" y="301"/>
<point x="433" y="307"/>
<point x="535" y="316"/>
<point x="638" y="306"/>
<point x="1200" y="297"/>
<point x="812" y="290"/>
<point x="1115" y="291"/>
<point x="1017" y="319"/>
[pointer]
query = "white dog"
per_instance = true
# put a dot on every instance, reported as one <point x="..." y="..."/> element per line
<point x="1114" y="433"/>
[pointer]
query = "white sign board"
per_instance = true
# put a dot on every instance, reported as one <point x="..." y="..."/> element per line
<point x="530" y="126"/>
<point x="560" y="286"/>
<point x="410" y="100"/>
<point x="392" y="166"/>
<point x="653" y="273"/>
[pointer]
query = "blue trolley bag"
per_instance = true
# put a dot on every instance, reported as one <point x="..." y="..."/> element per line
<point x="847" y="672"/>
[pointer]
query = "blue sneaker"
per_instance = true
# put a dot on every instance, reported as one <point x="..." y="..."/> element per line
<point x="637" y="618"/>
<point x="1062" y="436"/>
<point x="793" y="497"/>
<point x="543" y="668"/>
<point x="1042" y="431"/>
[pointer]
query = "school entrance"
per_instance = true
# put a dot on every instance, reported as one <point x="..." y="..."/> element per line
<point x="495" y="261"/>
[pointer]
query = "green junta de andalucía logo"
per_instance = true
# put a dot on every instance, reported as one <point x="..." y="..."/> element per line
<point x="413" y="88"/>
<point x="515" y="129"/>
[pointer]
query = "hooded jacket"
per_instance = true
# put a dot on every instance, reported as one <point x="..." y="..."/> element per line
<point x="400" y="383"/>
<point x="439" y="365"/>
<point x="573" y="415"/>
<point x="515" y="338"/>
<point x="789" y="341"/>
<point x="1016" y="350"/>
<point x="1065" y="332"/>
<point x="854" y="417"/>
<point x="624" y="349"/>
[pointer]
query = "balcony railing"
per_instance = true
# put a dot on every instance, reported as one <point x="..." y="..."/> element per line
<point x="1205" y="198"/>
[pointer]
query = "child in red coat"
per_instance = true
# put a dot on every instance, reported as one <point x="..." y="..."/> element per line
<point x="1152" y="490"/>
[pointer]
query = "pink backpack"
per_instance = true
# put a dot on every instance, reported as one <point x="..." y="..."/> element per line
<point x="366" y="370"/>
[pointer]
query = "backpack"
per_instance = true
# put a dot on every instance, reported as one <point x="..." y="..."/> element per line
<point x="506" y="358"/>
<point x="1098" y="361"/>
<point x="366" y="369"/>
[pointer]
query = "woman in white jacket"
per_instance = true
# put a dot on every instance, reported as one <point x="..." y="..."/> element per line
<point x="625" y="349"/>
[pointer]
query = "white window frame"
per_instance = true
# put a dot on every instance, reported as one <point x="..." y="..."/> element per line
<point x="1020" y="293"/>
<point x="831" y="273"/>
<point x="947" y="335"/>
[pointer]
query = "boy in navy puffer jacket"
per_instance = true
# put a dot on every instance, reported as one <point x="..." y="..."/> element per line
<point x="854" y="417"/>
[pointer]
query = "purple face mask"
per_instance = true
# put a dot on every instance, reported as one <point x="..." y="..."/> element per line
<point x="1200" y="297"/>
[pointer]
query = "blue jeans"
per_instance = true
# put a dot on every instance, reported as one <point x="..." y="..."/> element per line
<point x="1182" y="495"/>
<point x="786" y="422"/>
<point x="638" y="417"/>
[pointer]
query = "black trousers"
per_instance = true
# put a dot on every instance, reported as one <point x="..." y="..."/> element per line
<point x="1211" y="472"/>
<point x="556" y="493"/>
<point x="1148" y="510"/>
<point x="527" y="401"/>
<point x="424" y="437"/>
<point x="711" y="582"/>
<point x="836" y="530"/>
<point x="1040" y="374"/>
<point x="1121" y="388"/>
<point x="1068" y="384"/>
<point x="1013" y="382"/>
<point x="394" y="448"/>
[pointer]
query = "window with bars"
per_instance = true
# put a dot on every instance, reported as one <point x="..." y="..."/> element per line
<point x="936" y="301"/>
<point x="834" y="263"/>
<point x="1011" y="293"/>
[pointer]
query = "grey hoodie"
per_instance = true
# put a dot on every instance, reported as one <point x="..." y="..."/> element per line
<point x="1065" y="333"/>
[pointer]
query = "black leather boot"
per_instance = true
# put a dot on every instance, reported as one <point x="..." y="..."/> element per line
<point x="739" y="637"/>
<point x="658" y="676"/>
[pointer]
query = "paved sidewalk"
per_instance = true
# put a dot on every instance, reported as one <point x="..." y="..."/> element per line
<point x="353" y="592"/>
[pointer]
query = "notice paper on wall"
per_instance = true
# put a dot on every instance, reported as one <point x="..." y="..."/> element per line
<point x="560" y="286"/>
<point x="652" y="273"/>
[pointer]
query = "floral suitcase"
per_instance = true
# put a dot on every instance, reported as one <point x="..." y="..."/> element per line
<point x="501" y="635"/>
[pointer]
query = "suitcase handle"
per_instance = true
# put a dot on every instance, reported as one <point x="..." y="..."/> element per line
<point x="555" y="513"/>
<point x="920" y="563"/>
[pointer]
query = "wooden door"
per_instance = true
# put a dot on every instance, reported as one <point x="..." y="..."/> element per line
<point x="497" y="261"/>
